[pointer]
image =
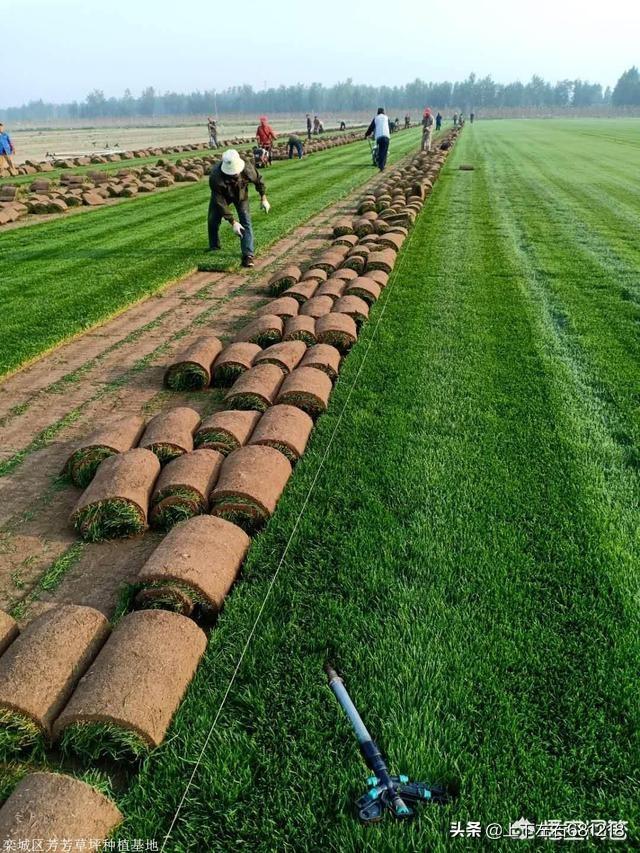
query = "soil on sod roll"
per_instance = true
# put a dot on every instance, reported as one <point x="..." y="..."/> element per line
<point x="125" y="702"/>
<point x="8" y="630"/>
<point x="357" y="263"/>
<point x="323" y="357"/>
<point x="314" y="274"/>
<point x="56" y="806"/>
<point x="316" y="307"/>
<point x="343" y="226"/>
<point x="118" y="437"/>
<point x="183" y="487"/>
<point x="191" y="370"/>
<point x="284" y="306"/>
<point x="338" y="330"/>
<point x="344" y="274"/>
<point x="284" y="279"/>
<point x="249" y="487"/>
<point x="333" y="288"/>
<point x="117" y="500"/>
<point x="286" y="355"/>
<point x="307" y="388"/>
<point x="226" y="431"/>
<point x="264" y="331"/>
<point x="256" y="389"/>
<point x="300" y="328"/>
<point x="354" y="306"/>
<point x="232" y="362"/>
<point x="201" y="556"/>
<point x="303" y="290"/>
<point x="364" y="287"/>
<point x="391" y="240"/>
<point x="384" y="260"/>
<point x="40" y="669"/>
<point x="379" y="276"/>
<point x="170" y="434"/>
<point x="286" y="428"/>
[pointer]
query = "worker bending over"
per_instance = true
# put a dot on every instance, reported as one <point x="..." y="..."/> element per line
<point x="295" y="143"/>
<point x="379" y="127"/>
<point x="229" y="183"/>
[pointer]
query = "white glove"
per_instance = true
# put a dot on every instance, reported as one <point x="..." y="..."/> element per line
<point x="264" y="204"/>
<point x="238" y="229"/>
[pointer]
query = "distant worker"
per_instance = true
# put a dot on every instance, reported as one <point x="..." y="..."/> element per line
<point x="7" y="148"/>
<point x="471" y="117"/>
<point x="320" y="126"/>
<point x="460" y="120"/>
<point x="212" y="126"/>
<point x="265" y="135"/>
<point x="295" y="143"/>
<point x="438" y="121"/>
<point x="316" y="124"/>
<point x="407" y="122"/>
<point x="427" y="130"/>
<point x="229" y="183"/>
<point x="379" y="127"/>
<point x="308" y="126"/>
<point x="343" y="125"/>
<point x="455" y="119"/>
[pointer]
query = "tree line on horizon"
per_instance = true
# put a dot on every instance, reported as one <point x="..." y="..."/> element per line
<point x="474" y="93"/>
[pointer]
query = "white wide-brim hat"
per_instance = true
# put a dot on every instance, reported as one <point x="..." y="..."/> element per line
<point x="232" y="162"/>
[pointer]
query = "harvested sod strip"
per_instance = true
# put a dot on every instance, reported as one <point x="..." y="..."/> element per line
<point x="284" y="307"/>
<point x="55" y="806"/>
<point x="8" y="630"/>
<point x="170" y="434"/>
<point x="125" y="702"/>
<point x="313" y="274"/>
<point x="116" y="502"/>
<point x="286" y="355"/>
<point x="264" y="331"/>
<point x="200" y="557"/>
<point x="183" y="488"/>
<point x="379" y="276"/>
<point x="333" y="288"/>
<point x="354" y="307"/>
<point x="337" y="330"/>
<point x="316" y="307"/>
<point x="308" y="389"/>
<point x="344" y="274"/>
<point x="286" y="428"/>
<point x="118" y="437"/>
<point x="365" y="288"/>
<point x="284" y="279"/>
<point x="232" y="362"/>
<point x="304" y="290"/>
<point x="249" y="487"/>
<point x="384" y="260"/>
<point x="323" y="357"/>
<point x="300" y="328"/>
<point x="40" y="669"/>
<point x="226" y="431"/>
<point x="191" y="369"/>
<point x="256" y="389"/>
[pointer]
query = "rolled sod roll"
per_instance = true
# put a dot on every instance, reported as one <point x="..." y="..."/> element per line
<point x="362" y="227"/>
<point x="303" y="290"/>
<point x="338" y="330"/>
<point x="117" y="437"/>
<point x="191" y="369"/>
<point x="249" y="487"/>
<point x="285" y="307"/>
<point x="284" y="279"/>
<point x="40" y="669"/>
<point x="226" y="431"/>
<point x="196" y="563"/>
<point x="357" y="263"/>
<point x="330" y="260"/>
<point x="380" y="226"/>
<point x="365" y="288"/>
<point x="300" y="328"/>
<point x="8" y="630"/>
<point x="54" y="806"/>
<point x="354" y="306"/>
<point x="183" y="487"/>
<point x="344" y="274"/>
<point x="233" y="361"/>
<point x="333" y="287"/>
<point x="256" y="389"/>
<point x="308" y="389"/>
<point x="286" y="355"/>
<point x="379" y="276"/>
<point x="343" y="226"/>
<point x="349" y="240"/>
<point x="316" y="307"/>
<point x="264" y="331"/>
<point x="384" y="260"/>
<point x="170" y="433"/>
<point x="323" y="357"/>
<point x="314" y="274"/>
<point x="286" y="428"/>
<point x="125" y="702"/>
<point x="116" y="501"/>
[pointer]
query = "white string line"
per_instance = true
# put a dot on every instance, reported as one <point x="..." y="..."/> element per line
<point x="286" y="548"/>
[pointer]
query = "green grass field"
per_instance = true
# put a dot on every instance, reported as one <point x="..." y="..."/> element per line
<point x="63" y="277"/>
<point x="469" y="552"/>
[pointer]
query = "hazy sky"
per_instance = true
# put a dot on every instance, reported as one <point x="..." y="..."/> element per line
<point x="59" y="50"/>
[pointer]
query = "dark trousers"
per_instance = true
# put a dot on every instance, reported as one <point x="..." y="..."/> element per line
<point x="383" y="149"/>
<point x="214" y="220"/>
<point x="308" y="133"/>
<point x="298" y="147"/>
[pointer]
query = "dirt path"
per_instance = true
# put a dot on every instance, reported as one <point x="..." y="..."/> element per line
<point x="114" y="369"/>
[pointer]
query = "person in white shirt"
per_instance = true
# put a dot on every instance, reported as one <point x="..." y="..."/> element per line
<point x="379" y="127"/>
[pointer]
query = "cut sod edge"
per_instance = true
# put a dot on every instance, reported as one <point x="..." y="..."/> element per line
<point x="248" y="402"/>
<point x="94" y="739"/>
<point x="186" y="376"/>
<point x="82" y="465"/>
<point x="18" y="731"/>
<point x="216" y="439"/>
<point x="108" y="518"/>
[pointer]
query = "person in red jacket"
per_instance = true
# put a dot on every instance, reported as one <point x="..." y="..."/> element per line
<point x="265" y="135"/>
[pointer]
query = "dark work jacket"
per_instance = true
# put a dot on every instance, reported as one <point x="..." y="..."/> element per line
<point x="233" y="189"/>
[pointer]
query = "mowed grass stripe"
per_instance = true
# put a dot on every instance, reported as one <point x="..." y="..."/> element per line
<point x="459" y="560"/>
<point x="61" y="278"/>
